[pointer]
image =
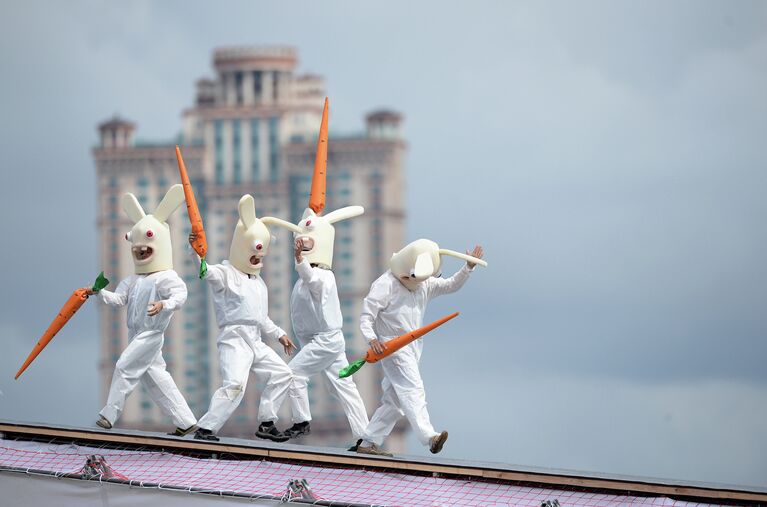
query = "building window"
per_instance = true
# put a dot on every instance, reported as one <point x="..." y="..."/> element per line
<point x="238" y="86"/>
<point x="274" y="148"/>
<point x="236" y="151"/>
<point x="257" y="84"/>
<point x="275" y="86"/>
<point x="254" y="153"/>
<point x="219" y="139"/>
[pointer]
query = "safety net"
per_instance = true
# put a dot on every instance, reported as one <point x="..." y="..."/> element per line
<point x="228" y="475"/>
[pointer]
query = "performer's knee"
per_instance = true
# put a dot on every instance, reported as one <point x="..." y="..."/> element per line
<point x="234" y="390"/>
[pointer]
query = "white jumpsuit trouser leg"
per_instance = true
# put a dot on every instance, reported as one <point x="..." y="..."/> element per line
<point x="403" y="394"/>
<point x="326" y="353"/>
<point x="142" y="361"/>
<point x="238" y="354"/>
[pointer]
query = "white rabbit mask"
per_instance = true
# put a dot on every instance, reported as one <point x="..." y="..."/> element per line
<point x="250" y="242"/>
<point x="151" y="248"/>
<point x="318" y="234"/>
<point x="315" y="230"/>
<point x="422" y="259"/>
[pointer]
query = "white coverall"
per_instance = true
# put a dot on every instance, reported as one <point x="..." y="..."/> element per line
<point x="390" y="310"/>
<point x="315" y="313"/>
<point x="241" y="303"/>
<point x="142" y="358"/>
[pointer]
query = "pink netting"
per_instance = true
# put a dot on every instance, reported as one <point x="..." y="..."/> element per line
<point x="328" y="483"/>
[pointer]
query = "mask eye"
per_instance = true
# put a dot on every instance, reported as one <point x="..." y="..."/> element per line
<point x="128" y="236"/>
<point x="308" y="223"/>
<point x="258" y="245"/>
<point x="149" y="233"/>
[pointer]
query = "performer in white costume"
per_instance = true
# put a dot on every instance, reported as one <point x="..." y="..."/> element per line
<point x="152" y="294"/>
<point x="396" y="305"/>
<point x="315" y="311"/>
<point x="241" y="303"/>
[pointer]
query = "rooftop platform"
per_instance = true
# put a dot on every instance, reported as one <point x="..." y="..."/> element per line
<point x="236" y="468"/>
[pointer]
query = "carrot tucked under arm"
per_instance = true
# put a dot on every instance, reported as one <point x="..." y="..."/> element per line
<point x="393" y="345"/>
<point x="200" y="244"/>
<point x="73" y="304"/>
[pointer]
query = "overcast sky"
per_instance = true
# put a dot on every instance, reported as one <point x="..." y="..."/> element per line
<point x="610" y="156"/>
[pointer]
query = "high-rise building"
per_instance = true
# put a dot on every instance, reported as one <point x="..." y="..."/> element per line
<point x="253" y="129"/>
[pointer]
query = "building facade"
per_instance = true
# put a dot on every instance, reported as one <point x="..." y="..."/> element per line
<point x="252" y="129"/>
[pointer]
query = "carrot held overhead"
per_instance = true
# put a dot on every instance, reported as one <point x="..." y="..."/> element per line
<point x="73" y="304"/>
<point x="317" y="194"/>
<point x="393" y="345"/>
<point x="200" y="244"/>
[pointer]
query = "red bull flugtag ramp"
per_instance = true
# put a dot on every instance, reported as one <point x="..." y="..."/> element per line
<point x="43" y="464"/>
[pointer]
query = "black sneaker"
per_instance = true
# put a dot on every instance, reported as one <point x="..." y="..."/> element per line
<point x="203" y="434"/>
<point x="267" y="430"/>
<point x="181" y="432"/>
<point x="355" y="446"/>
<point x="298" y="429"/>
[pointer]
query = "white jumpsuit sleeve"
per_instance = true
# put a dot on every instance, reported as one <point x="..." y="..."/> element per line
<point x="269" y="329"/>
<point x="377" y="299"/>
<point x="310" y="278"/>
<point x="119" y="297"/>
<point x="172" y="290"/>
<point x="440" y="286"/>
<point x="214" y="275"/>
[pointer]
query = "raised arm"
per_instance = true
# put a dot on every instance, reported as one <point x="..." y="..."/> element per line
<point x="213" y="275"/>
<point x="306" y="273"/>
<point x="440" y="286"/>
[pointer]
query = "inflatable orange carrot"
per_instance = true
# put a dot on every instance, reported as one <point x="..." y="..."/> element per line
<point x="393" y="346"/>
<point x="317" y="195"/>
<point x="200" y="244"/>
<point x="73" y="304"/>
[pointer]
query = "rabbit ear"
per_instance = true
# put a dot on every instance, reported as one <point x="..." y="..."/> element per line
<point x="172" y="200"/>
<point x="132" y="208"/>
<point x="459" y="255"/>
<point x="344" y="213"/>
<point x="281" y="223"/>
<point x="247" y="208"/>
<point x="423" y="265"/>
